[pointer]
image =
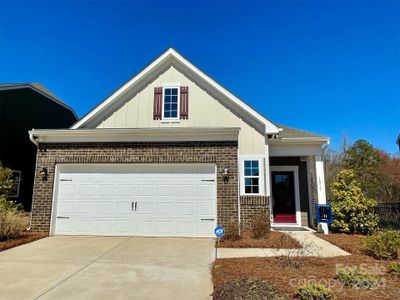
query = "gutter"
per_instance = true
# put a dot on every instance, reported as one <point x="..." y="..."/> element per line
<point x="33" y="138"/>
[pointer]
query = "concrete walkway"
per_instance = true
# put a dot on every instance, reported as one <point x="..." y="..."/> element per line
<point x="77" y="268"/>
<point x="312" y="246"/>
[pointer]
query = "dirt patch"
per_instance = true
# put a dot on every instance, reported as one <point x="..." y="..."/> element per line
<point x="274" y="239"/>
<point x="318" y="269"/>
<point x="247" y="288"/>
<point x="351" y="243"/>
<point x="24" y="238"/>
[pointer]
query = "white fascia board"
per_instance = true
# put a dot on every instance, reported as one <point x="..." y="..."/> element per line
<point x="134" y="135"/>
<point x="270" y="128"/>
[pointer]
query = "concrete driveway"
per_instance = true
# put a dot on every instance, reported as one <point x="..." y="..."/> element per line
<point x="63" y="267"/>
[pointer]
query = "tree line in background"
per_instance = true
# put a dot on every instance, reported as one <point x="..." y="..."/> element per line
<point x="363" y="187"/>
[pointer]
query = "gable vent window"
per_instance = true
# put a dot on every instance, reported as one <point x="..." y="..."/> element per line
<point x="171" y="103"/>
<point x="170" y="107"/>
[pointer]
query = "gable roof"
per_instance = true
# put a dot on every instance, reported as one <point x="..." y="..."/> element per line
<point x="291" y="134"/>
<point x="173" y="56"/>
<point x="39" y="88"/>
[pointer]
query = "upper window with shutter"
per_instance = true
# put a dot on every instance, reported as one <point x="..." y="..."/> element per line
<point x="171" y="103"/>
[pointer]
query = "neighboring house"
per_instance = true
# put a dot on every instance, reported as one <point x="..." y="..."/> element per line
<point x="173" y="153"/>
<point x="25" y="106"/>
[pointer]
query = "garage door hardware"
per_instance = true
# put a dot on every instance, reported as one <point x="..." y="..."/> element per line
<point x="62" y="217"/>
<point x="210" y="219"/>
<point x="210" y="180"/>
<point x="134" y="205"/>
<point x="65" y="179"/>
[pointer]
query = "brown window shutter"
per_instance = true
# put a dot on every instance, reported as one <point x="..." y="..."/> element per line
<point x="157" y="112"/>
<point x="184" y="103"/>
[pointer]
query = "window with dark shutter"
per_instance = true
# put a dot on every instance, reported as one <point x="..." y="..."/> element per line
<point x="157" y="111"/>
<point x="184" y="103"/>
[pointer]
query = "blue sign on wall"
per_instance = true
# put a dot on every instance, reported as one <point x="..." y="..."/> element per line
<point x="219" y="231"/>
<point x="324" y="213"/>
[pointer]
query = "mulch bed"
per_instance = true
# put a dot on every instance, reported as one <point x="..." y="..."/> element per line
<point x="351" y="243"/>
<point x="322" y="270"/>
<point x="24" y="238"/>
<point x="274" y="239"/>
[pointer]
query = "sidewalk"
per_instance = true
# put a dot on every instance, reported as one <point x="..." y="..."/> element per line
<point x="317" y="247"/>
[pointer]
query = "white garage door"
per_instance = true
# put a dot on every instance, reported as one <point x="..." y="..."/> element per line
<point x="144" y="200"/>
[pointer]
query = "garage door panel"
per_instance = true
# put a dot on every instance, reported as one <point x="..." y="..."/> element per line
<point x="170" y="200"/>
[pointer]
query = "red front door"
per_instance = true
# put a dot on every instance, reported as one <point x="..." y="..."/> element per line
<point x="283" y="197"/>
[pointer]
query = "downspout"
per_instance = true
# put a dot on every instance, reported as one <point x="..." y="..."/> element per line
<point x="33" y="140"/>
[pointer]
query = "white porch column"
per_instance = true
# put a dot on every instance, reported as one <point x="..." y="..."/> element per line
<point x="267" y="173"/>
<point x="321" y="192"/>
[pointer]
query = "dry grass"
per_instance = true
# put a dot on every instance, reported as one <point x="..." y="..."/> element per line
<point x="351" y="243"/>
<point x="12" y="223"/>
<point x="274" y="239"/>
<point x="24" y="238"/>
<point x="320" y="269"/>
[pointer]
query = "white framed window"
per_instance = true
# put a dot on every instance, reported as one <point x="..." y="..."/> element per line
<point x="252" y="178"/>
<point x="170" y="107"/>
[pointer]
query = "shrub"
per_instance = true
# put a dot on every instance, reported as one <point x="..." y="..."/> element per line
<point x="232" y="232"/>
<point x="8" y="205"/>
<point x="352" y="212"/>
<point x="357" y="278"/>
<point x="384" y="245"/>
<point x="313" y="291"/>
<point x="395" y="269"/>
<point x="12" y="223"/>
<point x="249" y="289"/>
<point x="260" y="226"/>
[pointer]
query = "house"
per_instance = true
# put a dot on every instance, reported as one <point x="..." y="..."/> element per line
<point x="24" y="106"/>
<point x="173" y="153"/>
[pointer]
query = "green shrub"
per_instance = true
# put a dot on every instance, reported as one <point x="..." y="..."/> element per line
<point x="8" y="205"/>
<point x="260" y="226"/>
<point x="313" y="291"/>
<point x="395" y="269"/>
<point x="357" y="278"/>
<point x="232" y="232"/>
<point x="12" y="224"/>
<point x="384" y="245"/>
<point x="352" y="212"/>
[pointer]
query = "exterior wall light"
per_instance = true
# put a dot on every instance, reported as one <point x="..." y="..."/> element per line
<point x="43" y="174"/>
<point x="226" y="175"/>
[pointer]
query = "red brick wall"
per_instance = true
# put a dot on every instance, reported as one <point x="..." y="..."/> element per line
<point x="252" y="205"/>
<point x="223" y="154"/>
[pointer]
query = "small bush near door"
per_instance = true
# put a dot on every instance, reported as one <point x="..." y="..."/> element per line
<point x="260" y="226"/>
<point x="384" y="245"/>
<point x="12" y="224"/>
<point x="232" y="232"/>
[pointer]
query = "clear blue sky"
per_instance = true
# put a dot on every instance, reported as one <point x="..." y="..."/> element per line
<point x="324" y="66"/>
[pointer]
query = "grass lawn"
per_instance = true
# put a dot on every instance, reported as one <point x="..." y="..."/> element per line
<point x="322" y="270"/>
<point x="274" y="239"/>
<point x="24" y="238"/>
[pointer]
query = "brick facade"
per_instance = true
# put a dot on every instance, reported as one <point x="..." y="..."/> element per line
<point x="223" y="154"/>
<point x="251" y="206"/>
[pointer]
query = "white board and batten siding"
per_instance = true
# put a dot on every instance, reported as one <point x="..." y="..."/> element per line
<point x="137" y="200"/>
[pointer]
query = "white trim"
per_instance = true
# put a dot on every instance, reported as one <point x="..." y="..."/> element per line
<point x="310" y="192"/>
<point x="295" y="170"/>
<point x="171" y="84"/>
<point x="178" y="116"/>
<point x="136" y="135"/>
<point x="59" y="168"/>
<point x="300" y="140"/>
<point x="267" y="172"/>
<point x="270" y="128"/>
<point x="261" y="180"/>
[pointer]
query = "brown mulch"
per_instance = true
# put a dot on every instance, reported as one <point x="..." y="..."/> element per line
<point x="322" y="270"/>
<point x="351" y="243"/>
<point x="274" y="239"/>
<point x="24" y="238"/>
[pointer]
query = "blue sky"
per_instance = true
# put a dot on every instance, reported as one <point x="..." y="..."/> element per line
<point x="332" y="67"/>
